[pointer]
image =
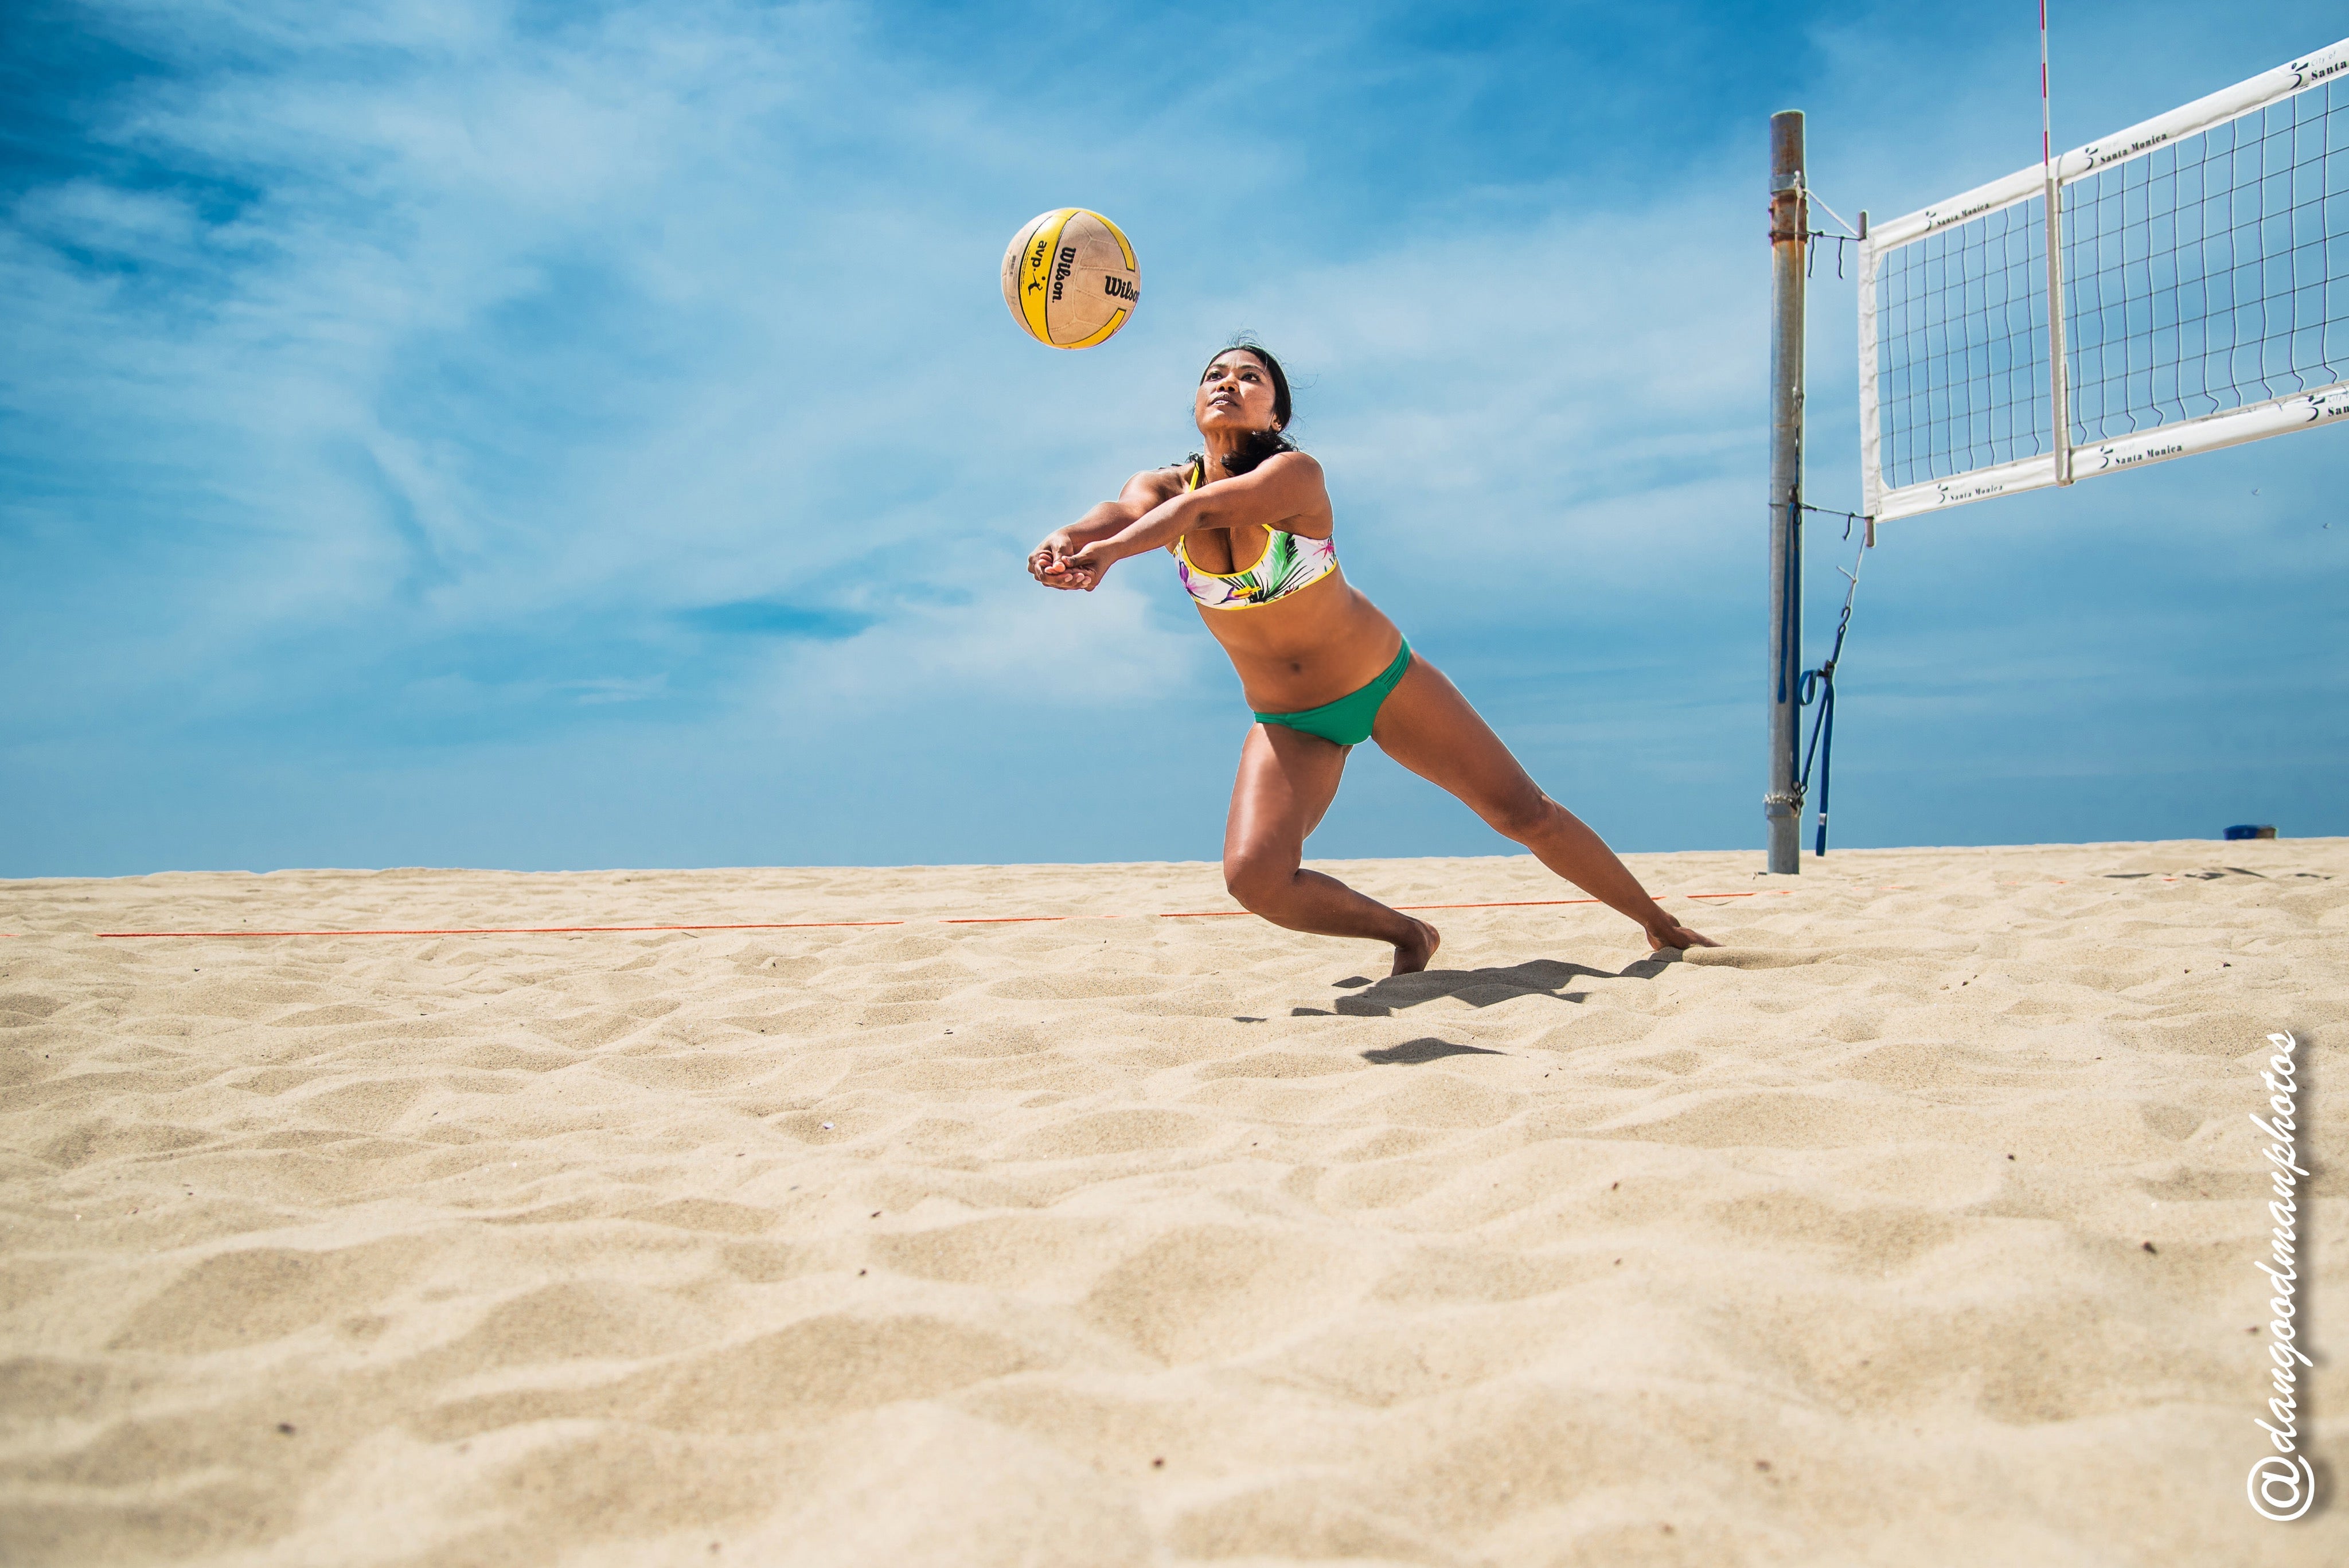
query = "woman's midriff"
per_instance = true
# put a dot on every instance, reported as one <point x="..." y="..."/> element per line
<point x="1319" y="644"/>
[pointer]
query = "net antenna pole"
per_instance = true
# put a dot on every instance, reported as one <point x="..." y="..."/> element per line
<point x="2057" y="379"/>
<point x="1790" y="222"/>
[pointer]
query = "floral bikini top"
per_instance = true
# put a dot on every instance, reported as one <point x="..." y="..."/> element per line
<point x="1290" y="562"/>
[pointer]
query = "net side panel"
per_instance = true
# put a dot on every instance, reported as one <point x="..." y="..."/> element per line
<point x="2211" y="274"/>
<point x="1961" y="349"/>
<point x="1871" y="424"/>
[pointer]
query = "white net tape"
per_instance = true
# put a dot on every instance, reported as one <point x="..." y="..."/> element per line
<point x="2203" y="286"/>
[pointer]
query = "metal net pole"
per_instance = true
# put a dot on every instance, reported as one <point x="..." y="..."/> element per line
<point x="1789" y="229"/>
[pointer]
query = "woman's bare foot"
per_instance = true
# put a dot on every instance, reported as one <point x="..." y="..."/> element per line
<point x="1410" y="957"/>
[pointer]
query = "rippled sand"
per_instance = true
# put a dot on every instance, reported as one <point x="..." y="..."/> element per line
<point x="1916" y="1226"/>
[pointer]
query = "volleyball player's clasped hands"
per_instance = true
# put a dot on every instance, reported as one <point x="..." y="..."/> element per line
<point x="1054" y="571"/>
<point x="1248" y="523"/>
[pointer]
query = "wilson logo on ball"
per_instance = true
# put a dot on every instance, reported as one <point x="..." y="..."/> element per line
<point x="1069" y="278"/>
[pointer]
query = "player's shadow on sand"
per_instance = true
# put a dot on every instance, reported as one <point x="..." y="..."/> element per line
<point x="1413" y="1053"/>
<point x="1476" y="987"/>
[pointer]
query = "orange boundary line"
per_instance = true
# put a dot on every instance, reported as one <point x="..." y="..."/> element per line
<point x="518" y="930"/>
<point x="1512" y="904"/>
<point x="1012" y="919"/>
<point x="845" y="925"/>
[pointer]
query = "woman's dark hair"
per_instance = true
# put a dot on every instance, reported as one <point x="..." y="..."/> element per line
<point x="1260" y="444"/>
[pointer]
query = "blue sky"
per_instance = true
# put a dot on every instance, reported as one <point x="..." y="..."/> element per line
<point x="562" y="436"/>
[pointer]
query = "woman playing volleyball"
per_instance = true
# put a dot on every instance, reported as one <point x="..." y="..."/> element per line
<point x="1322" y="667"/>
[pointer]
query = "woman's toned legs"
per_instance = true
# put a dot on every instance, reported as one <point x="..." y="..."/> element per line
<point x="1428" y="727"/>
<point x="1287" y="780"/>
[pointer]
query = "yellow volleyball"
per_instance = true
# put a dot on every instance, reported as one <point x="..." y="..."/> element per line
<point x="1070" y="279"/>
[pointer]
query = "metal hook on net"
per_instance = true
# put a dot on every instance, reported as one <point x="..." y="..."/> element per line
<point x="1810" y="259"/>
<point x="1848" y="236"/>
<point x="1848" y="519"/>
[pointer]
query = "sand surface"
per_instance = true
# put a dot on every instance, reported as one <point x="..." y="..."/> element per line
<point x="1916" y="1226"/>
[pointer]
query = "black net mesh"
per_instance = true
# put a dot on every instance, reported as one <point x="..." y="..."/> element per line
<point x="1961" y="347"/>
<point x="2212" y="273"/>
<point x="2199" y="277"/>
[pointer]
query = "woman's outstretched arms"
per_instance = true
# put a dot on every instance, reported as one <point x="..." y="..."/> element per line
<point x="1285" y="492"/>
<point x="1048" y="561"/>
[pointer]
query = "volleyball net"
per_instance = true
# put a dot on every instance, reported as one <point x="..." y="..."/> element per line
<point x="2189" y="275"/>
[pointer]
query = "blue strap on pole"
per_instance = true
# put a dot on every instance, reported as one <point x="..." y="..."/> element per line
<point x="1819" y="685"/>
<point x="1819" y="681"/>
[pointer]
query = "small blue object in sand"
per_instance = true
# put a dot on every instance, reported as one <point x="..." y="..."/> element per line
<point x="2245" y="830"/>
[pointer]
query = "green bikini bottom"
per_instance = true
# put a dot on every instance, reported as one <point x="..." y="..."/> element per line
<point x="1346" y="721"/>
